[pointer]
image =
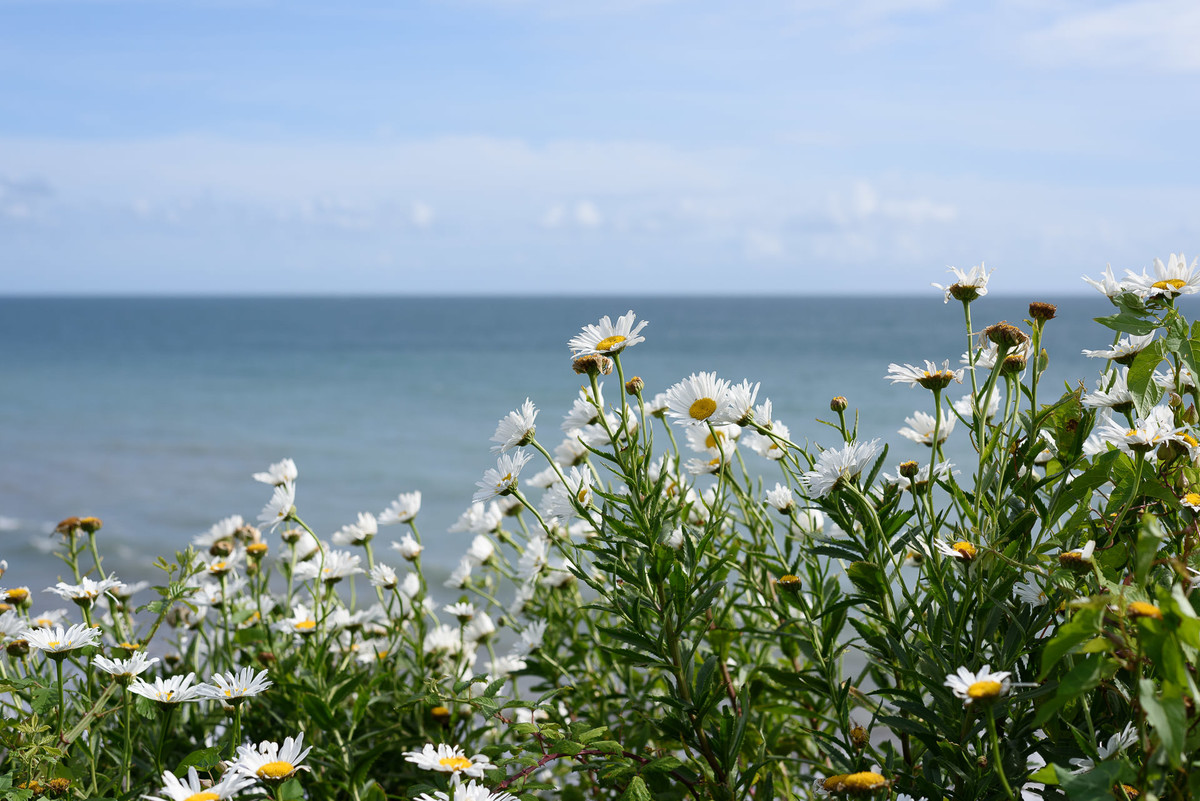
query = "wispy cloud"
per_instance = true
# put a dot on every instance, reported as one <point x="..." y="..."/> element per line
<point x="1158" y="35"/>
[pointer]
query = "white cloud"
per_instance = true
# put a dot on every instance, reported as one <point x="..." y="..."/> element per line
<point x="1144" y="34"/>
<point x="762" y="245"/>
<point x="587" y="215"/>
<point x="422" y="214"/>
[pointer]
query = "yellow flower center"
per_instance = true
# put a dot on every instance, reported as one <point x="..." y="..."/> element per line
<point x="276" y="770"/>
<point x="984" y="690"/>
<point x="702" y="409"/>
<point x="1190" y="440"/>
<point x="711" y="441"/>
<point x="1170" y="283"/>
<point x="455" y="763"/>
<point x="608" y="343"/>
<point x="964" y="549"/>
<point x="52" y="644"/>
<point x="204" y="796"/>
<point x="834" y="783"/>
<point x="128" y="646"/>
<point x="1143" y="609"/>
<point x="305" y="625"/>
<point x="256" y="549"/>
<point x="1192" y="499"/>
<point x="864" y="782"/>
<point x="581" y="496"/>
<point x="18" y="595"/>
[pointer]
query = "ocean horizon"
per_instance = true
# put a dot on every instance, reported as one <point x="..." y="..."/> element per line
<point x="152" y="412"/>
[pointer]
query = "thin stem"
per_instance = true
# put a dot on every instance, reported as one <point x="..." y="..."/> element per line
<point x="991" y="716"/>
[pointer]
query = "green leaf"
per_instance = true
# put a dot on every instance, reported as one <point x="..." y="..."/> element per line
<point x="203" y="758"/>
<point x="868" y="578"/>
<point x="1094" y="785"/>
<point x="1080" y="628"/>
<point x="1145" y="392"/>
<point x="1167" y="715"/>
<point x="636" y="791"/>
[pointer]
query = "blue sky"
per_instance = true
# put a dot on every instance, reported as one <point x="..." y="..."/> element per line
<point x="563" y="146"/>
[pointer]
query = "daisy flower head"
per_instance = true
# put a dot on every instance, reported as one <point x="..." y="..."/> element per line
<point x="723" y="437"/>
<point x="384" y="576"/>
<point x="402" y="510"/>
<point x="961" y="550"/>
<point x="58" y="642"/>
<point x="235" y="687"/>
<point x="280" y="507"/>
<point x="125" y="669"/>
<point x="700" y="398"/>
<point x="1114" y="745"/>
<point x="467" y="792"/>
<point x="175" y="690"/>
<point x="176" y="789"/>
<point x="359" y="532"/>
<point x="837" y="465"/>
<point x="502" y="479"/>
<point x="86" y="591"/>
<point x="564" y="500"/>
<point x="221" y="531"/>
<point x="983" y="686"/>
<point x="1191" y="500"/>
<point x="930" y="376"/>
<point x="272" y="762"/>
<point x="516" y="429"/>
<point x="482" y="549"/>
<point x="1112" y="392"/>
<point x="1108" y="285"/>
<point x="770" y="446"/>
<point x="301" y="622"/>
<point x="479" y="519"/>
<point x="781" y="498"/>
<point x="283" y="472"/>
<point x="741" y="402"/>
<point x="1079" y="559"/>
<point x="448" y="759"/>
<point x="337" y="566"/>
<point x="1147" y="433"/>
<point x="1125" y="351"/>
<point x="1170" y="279"/>
<point x="921" y="427"/>
<point x="967" y="285"/>
<point x="607" y="338"/>
<point x="408" y="547"/>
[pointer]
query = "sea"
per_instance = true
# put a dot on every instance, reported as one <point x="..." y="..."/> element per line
<point x="152" y="413"/>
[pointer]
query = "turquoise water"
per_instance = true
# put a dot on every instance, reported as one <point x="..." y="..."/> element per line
<point x="152" y="413"/>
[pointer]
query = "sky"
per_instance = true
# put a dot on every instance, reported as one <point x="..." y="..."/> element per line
<point x="592" y="146"/>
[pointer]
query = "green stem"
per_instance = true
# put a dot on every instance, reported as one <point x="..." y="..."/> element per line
<point x="996" y="752"/>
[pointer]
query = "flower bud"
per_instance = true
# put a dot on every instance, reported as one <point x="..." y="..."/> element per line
<point x="1042" y="311"/>
<point x="256" y="550"/>
<point x="291" y="536"/>
<point x="67" y="526"/>
<point x="266" y="658"/>
<point x="441" y="715"/>
<point x="635" y="385"/>
<point x="90" y="524"/>
<point x="838" y="404"/>
<point x="859" y="736"/>
<point x="17" y="648"/>
<point x="909" y="469"/>
<point x="592" y="364"/>
<point x="1005" y="335"/>
<point x="221" y="548"/>
<point x="789" y="583"/>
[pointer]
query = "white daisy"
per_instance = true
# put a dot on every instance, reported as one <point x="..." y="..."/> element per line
<point x="531" y="638"/>
<point x="1108" y="284"/>
<point x="401" y="510"/>
<point x="1167" y="380"/>
<point x="443" y="639"/>
<point x="175" y="690"/>
<point x="769" y="446"/>
<point x="1147" y="433"/>
<point x="502" y="479"/>
<point x="563" y="501"/>
<point x="1030" y="593"/>
<point x="967" y="285"/>
<point x="741" y="402"/>
<point x="448" y="759"/>
<point x="358" y="533"/>
<point x="983" y="686"/>
<point x="674" y="538"/>
<point x="479" y="519"/>
<point x="233" y="688"/>
<point x="86" y="591"/>
<point x="961" y="550"/>
<point x="700" y="398"/>
<point x="570" y="452"/>
<point x="1112" y="392"/>
<point x="135" y="665"/>
<point x="408" y="547"/>
<point x="176" y="789"/>
<point x="930" y="376"/>
<point x="480" y="628"/>
<point x="607" y="339"/>
<point x="463" y="610"/>
<point x="302" y="621"/>
<point x="835" y="465"/>
<point x="585" y="410"/>
<point x="720" y="438"/>
<point x="221" y="531"/>
<point x="272" y="762"/>
<point x="336" y="566"/>
<point x="58" y="642"/>
<point x="1078" y="557"/>
<point x="1115" y="744"/>
<point x="481" y="549"/>
<point x="279" y="473"/>
<point x="1125" y="350"/>
<point x="1170" y="279"/>
<point x="460" y="575"/>
<point x="516" y="428"/>
<point x="781" y="498"/>
<point x="921" y="426"/>
<point x="281" y="505"/>
<point x="504" y="665"/>
<point x="534" y="558"/>
<point x="383" y="576"/>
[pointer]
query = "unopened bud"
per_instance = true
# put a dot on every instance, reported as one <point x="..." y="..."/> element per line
<point x="91" y="524"/>
<point x="266" y="658"/>
<point x="67" y="526"/>
<point x="17" y="648"/>
<point x="221" y="548"/>
<point x="909" y="469"/>
<point x="1005" y="335"/>
<point x="838" y="404"/>
<point x="1189" y="415"/>
<point x="291" y="535"/>
<point x="1174" y="400"/>
<point x="859" y="737"/>
<point x="440" y="715"/>
<point x="789" y="583"/>
<point x="256" y="550"/>
<point x="56" y="788"/>
<point x="635" y="385"/>
<point x="1042" y="311"/>
<point x="1013" y="364"/>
